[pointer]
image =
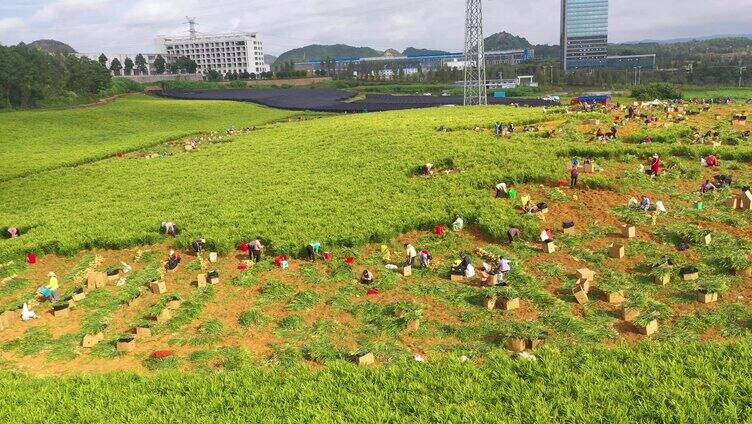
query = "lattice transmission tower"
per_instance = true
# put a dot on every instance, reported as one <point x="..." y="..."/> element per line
<point x="475" y="55"/>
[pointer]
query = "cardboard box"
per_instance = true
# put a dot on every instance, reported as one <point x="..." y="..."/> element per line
<point x="174" y="304"/>
<point x="615" y="297"/>
<point x="158" y="287"/>
<point x="747" y="272"/>
<point x="693" y="276"/>
<point x="617" y="251"/>
<point x="628" y="231"/>
<point x="163" y="316"/>
<point x="201" y="280"/>
<point x="9" y="318"/>
<point x="732" y="202"/>
<point x="703" y="297"/>
<point x="113" y="277"/>
<point x="96" y="280"/>
<point x="549" y="247"/>
<point x="650" y="328"/>
<point x="366" y="358"/>
<point x="491" y="302"/>
<point x="214" y="281"/>
<point x="455" y="277"/>
<point x="123" y="346"/>
<point x="142" y="332"/>
<point x="91" y="340"/>
<point x="593" y="122"/>
<point x="510" y="304"/>
<point x="663" y="280"/>
<point x="78" y="297"/>
<point x="568" y="231"/>
<point x="580" y="295"/>
<point x="213" y="257"/>
<point x="516" y="345"/>
<point x="585" y="284"/>
<point x="745" y="201"/>
<point x="535" y="343"/>
<point x="407" y="271"/>
<point x="61" y="312"/>
<point x="585" y="274"/>
<point x="630" y="314"/>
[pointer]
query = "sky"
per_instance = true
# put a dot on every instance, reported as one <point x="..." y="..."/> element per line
<point x="123" y="26"/>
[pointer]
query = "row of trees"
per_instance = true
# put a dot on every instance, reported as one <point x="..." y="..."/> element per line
<point x="30" y="77"/>
<point x="139" y="66"/>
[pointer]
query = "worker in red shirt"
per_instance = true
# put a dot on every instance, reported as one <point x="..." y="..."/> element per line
<point x="655" y="165"/>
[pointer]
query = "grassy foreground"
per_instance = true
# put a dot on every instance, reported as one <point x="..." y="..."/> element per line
<point x="649" y="383"/>
<point x="34" y="141"/>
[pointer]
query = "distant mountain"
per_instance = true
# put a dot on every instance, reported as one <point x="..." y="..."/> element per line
<point x="52" y="46"/>
<point x="412" y="51"/>
<point x="688" y="39"/>
<point x="505" y="41"/>
<point x="319" y="52"/>
<point x="269" y="59"/>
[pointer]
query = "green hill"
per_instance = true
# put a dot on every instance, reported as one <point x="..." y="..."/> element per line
<point x="52" y="46"/>
<point x="505" y="41"/>
<point x="412" y="51"/>
<point x="319" y="52"/>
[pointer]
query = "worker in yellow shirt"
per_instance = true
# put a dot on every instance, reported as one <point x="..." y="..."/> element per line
<point x="54" y="287"/>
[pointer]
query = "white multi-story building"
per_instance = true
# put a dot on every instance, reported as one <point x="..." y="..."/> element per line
<point x="236" y="52"/>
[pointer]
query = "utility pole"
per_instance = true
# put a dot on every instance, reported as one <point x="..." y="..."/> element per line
<point x="475" y="56"/>
<point x="191" y="26"/>
<point x="741" y="70"/>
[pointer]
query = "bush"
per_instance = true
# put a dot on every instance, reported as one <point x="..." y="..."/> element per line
<point x="657" y="91"/>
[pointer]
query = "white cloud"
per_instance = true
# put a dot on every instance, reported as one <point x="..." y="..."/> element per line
<point x="67" y="8"/>
<point x="10" y="24"/>
<point x="131" y="25"/>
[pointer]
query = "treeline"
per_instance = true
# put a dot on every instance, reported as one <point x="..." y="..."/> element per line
<point x="31" y="78"/>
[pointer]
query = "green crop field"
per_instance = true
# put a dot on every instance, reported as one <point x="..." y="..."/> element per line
<point x="42" y="140"/>
<point x="277" y="345"/>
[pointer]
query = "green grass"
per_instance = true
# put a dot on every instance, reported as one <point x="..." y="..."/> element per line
<point x="650" y="383"/>
<point x="35" y="141"/>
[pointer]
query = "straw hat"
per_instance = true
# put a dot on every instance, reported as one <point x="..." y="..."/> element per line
<point x="51" y="274"/>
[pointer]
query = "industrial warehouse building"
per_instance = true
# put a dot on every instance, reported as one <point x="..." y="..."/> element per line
<point x="387" y="66"/>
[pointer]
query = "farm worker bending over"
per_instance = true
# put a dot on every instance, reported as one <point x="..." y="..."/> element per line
<point x="366" y="277"/>
<point x="313" y="249"/>
<point x="460" y="268"/>
<point x="501" y="189"/>
<point x="707" y="186"/>
<point x="13" y="232"/>
<point x="655" y="165"/>
<point x="712" y="160"/>
<point x="504" y="267"/>
<point x="458" y="224"/>
<point x="410" y="255"/>
<point x="199" y="245"/>
<point x="485" y="272"/>
<point x="514" y="233"/>
<point x="469" y="271"/>
<point x="386" y="255"/>
<point x="645" y="203"/>
<point x="172" y="260"/>
<point x="53" y="287"/>
<point x="170" y="228"/>
<point x="27" y="314"/>
<point x="425" y="258"/>
<point x="255" y="252"/>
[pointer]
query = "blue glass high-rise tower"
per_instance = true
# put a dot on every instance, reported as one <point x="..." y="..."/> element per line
<point x="584" y="34"/>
